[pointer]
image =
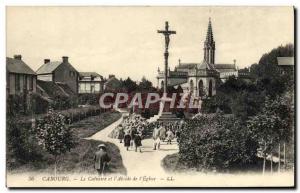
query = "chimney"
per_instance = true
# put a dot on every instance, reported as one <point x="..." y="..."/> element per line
<point x="18" y="57"/>
<point x="65" y="59"/>
<point x="46" y="61"/>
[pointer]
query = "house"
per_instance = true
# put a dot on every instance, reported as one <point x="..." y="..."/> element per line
<point x="90" y="82"/>
<point x="20" y="78"/>
<point x="245" y="74"/>
<point x="112" y="84"/>
<point x="286" y="64"/>
<point x="59" y="72"/>
<point x="226" y="70"/>
<point x="199" y="79"/>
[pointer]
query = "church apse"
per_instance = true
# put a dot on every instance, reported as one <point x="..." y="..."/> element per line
<point x="202" y="74"/>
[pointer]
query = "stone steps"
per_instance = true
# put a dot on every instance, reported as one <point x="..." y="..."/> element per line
<point x="168" y="116"/>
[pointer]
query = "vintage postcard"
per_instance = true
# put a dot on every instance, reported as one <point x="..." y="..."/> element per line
<point x="184" y="96"/>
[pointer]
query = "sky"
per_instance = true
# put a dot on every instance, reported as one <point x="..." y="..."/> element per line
<point x="124" y="41"/>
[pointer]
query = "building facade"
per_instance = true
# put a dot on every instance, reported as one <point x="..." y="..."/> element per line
<point x="21" y="79"/>
<point x="90" y="82"/>
<point x="59" y="72"/>
<point x="199" y="79"/>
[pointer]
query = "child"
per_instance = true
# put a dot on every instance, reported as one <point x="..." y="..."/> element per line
<point x="138" y="142"/>
<point x="121" y="134"/>
<point x="170" y="136"/>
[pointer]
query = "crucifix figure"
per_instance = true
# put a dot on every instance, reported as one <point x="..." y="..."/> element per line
<point x="167" y="34"/>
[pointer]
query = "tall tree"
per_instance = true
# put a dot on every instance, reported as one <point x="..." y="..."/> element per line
<point x="267" y="69"/>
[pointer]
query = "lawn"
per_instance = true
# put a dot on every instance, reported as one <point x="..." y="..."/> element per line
<point x="91" y="125"/>
<point x="80" y="158"/>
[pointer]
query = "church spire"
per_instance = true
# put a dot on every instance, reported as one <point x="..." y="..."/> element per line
<point x="209" y="45"/>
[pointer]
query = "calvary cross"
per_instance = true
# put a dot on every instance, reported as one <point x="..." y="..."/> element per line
<point x="167" y="34"/>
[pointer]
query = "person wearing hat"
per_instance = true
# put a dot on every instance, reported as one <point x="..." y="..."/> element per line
<point x="127" y="139"/>
<point x="156" y="137"/>
<point x="101" y="159"/>
<point x="133" y="131"/>
<point x="162" y="132"/>
<point x="120" y="134"/>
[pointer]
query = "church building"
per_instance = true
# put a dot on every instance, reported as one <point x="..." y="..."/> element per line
<point x="199" y="79"/>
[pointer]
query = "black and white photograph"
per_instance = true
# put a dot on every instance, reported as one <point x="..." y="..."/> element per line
<point x="150" y="96"/>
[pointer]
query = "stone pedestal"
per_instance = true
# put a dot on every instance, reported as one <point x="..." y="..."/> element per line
<point x="165" y="114"/>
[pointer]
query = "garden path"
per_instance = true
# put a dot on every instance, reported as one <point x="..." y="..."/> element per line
<point x="147" y="163"/>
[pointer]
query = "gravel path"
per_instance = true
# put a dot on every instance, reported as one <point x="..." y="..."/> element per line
<point x="147" y="163"/>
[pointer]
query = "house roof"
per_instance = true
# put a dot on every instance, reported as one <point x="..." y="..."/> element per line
<point x="206" y="65"/>
<point x="48" y="67"/>
<point x="95" y="74"/>
<point x="186" y="65"/>
<point x="18" y="66"/>
<point x="113" y="83"/>
<point x="53" y="89"/>
<point x="224" y="66"/>
<point x="175" y="82"/>
<point x="226" y="70"/>
<point x="66" y="89"/>
<point x="285" y="61"/>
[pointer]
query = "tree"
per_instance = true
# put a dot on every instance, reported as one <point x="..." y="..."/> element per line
<point x="267" y="71"/>
<point x="145" y="84"/>
<point x="235" y="96"/>
<point x="272" y="125"/>
<point x="54" y="135"/>
<point x="129" y="85"/>
<point x="22" y="146"/>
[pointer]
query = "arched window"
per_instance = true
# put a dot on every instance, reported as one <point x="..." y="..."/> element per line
<point x="162" y="84"/>
<point x="201" y="88"/>
<point x="210" y="87"/>
<point x="191" y="85"/>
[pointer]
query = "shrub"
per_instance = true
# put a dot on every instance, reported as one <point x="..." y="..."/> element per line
<point x="39" y="104"/>
<point x="22" y="145"/>
<point x="218" y="142"/>
<point x="88" y="99"/>
<point x="16" y="104"/>
<point x="54" y="135"/>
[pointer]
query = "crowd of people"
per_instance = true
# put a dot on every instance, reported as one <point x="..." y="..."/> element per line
<point x="134" y="128"/>
<point x="131" y="131"/>
<point x="165" y="131"/>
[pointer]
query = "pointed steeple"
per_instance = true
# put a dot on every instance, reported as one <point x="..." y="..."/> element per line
<point x="209" y="35"/>
<point x="209" y="45"/>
